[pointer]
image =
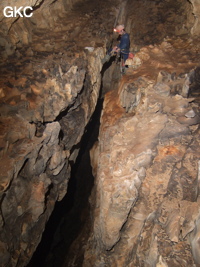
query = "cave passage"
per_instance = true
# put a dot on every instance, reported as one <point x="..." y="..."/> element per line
<point x="143" y="206"/>
<point x="70" y="214"/>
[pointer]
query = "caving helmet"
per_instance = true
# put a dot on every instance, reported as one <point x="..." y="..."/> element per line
<point x="119" y="28"/>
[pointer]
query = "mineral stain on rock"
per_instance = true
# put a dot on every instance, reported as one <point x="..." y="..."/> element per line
<point x="143" y="209"/>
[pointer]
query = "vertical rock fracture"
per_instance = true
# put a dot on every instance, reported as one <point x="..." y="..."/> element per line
<point x="144" y="207"/>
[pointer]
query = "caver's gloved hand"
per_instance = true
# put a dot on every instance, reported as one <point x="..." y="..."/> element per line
<point x="116" y="49"/>
<point x="111" y="52"/>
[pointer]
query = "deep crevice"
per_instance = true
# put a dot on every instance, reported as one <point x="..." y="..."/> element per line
<point x="70" y="214"/>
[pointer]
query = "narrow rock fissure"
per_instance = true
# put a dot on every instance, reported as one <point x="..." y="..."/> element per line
<point x="195" y="85"/>
<point x="126" y="194"/>
<point x="70" y="215"/>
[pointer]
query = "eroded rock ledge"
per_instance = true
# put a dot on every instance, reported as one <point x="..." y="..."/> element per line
<point x="38" y="134"/>
<point x="48" y="90"/>
<point x="148" y="134"/>
<point x="147" y="167"/>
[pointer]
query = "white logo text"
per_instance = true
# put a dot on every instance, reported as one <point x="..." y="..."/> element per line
<point x="13" y="12"/>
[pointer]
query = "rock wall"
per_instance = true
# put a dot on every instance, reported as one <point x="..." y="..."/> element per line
<point x="146" y="194"/>
<point x="39" y="134"/>
<point x="196" y="13"/>
<point x="48" y="92"/>
<point x="150" y="22"/>
<point x="19" y="31"/>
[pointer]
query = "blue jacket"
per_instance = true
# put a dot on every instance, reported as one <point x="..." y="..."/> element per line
<point x="124" y="44"/>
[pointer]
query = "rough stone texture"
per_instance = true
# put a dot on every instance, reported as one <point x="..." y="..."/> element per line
<point x="158" y="19"/>
<point x="35" y="149"/>
<point x="122" y="167"/>
<point x="147" y="171"/>
<point x="145" y="203"/>
<point x="196" y="13"/>
<point x="17" y="31"/>
<point x="56" y="26"/>
<point x="48" y="92"/>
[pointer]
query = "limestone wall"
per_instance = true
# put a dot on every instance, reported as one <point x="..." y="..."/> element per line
<point x="36" y="147"/>
<point x="17" y="31"/>
<point x="196" y="13"/>
<point x="146" y="164"/>
<point x="48" y="93"/>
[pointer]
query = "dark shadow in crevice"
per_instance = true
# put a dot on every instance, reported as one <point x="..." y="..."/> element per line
<point x="110" y="75"/>
<point x="38" y="6"/>
<point x="70" y="214"/>
<point x="107" y="65"/>
<point x="194" y="90"/>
